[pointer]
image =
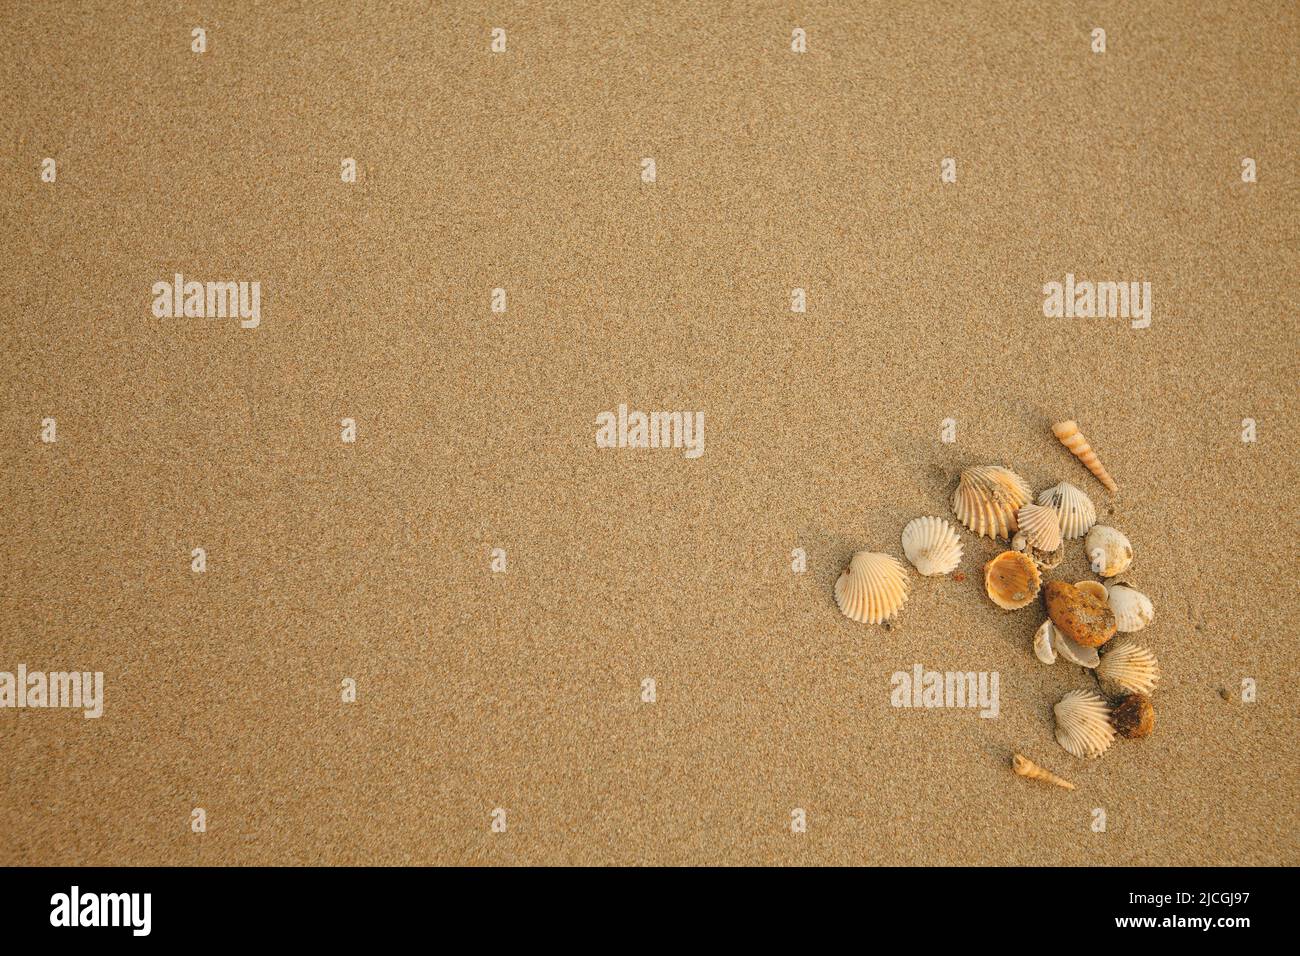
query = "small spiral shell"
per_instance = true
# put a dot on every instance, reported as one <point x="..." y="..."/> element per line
<point x="1068" y="434"/>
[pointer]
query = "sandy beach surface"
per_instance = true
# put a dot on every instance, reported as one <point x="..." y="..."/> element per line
<point x="522" y="690"/>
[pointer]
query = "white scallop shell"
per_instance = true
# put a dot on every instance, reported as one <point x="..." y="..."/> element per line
<point x="987" y="499"/>
<point x="1133" y="610"/>
<point x="1129" y="666"/>
<point x="1043" y="642"/>
<point x="932" y="545"/>
<point x="872" y="588"/>
<point x="1074" y="509"/>
<point x="1108" y="550"/>
<point x="1040" y="526"/>
<point x="1083" y="725"/>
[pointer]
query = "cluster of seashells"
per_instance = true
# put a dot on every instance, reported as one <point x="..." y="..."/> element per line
<point x="1082" y="618"/>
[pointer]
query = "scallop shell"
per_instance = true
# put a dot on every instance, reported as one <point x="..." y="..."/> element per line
<point x="1135" y="717"/>
<point x="1012" y="580"/>
<point x="1129" y="666"/>
<point x="931" y="545"/>
<point x="1074" y="509"/>
<point x="987" y="499"/>
<point x="1108" y="550"/>
<point x="1083" y="724"/>
<point x="1133" y="609"/>
<point x="1045" y="642"/>
<point x="872" y="589"/>
<point x="1041" y="526"/>
<point x="1095" y="588"/>
<point x="1072" y="650"/>
<point x="1068" y="434"/>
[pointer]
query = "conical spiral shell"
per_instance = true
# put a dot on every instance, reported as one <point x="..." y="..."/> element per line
<point x="1129" y="666"/>
<point x="1073" y="508"/>
<point x="1083" y="724"/>
<point x="1040" y="526"/>
<point x="987" y="499"/>
<point x="931" y="545"/>
<point x="1068" y="434"/>
<point x="1024" y="767"/>
<point x="1012" y="580"/>
<point x="872" y="589"/>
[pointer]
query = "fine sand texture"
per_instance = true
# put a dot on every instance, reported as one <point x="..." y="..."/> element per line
<point x="481" y="690"/>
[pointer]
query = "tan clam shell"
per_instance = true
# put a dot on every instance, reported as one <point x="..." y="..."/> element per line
<point x="1074" y="509"/>
<point x="1083" y="724"/>
<point x="1095" y="588"/>
<point x="987" y="499"/>
<point x="1012" y="580"/>
<point x="872" y="589"/>
<point x="1068" y="434"/>
<point x="1109" y="550"/>
<point x="1129" y="666"/>
<point x="1040" y="526"/>
<point x="931" y="545"/>
<point x="1133" y="610"/>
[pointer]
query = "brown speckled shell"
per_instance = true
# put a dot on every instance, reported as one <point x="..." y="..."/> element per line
<point x="1135" y="717"/>
<point x="1080" y="616"/>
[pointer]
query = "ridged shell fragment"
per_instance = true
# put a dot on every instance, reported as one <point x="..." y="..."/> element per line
<point x="1072" y="650"/>
<point x="872" y="589"/>
<point x="1045" y="642"/>
<point x="987" y="499"/>
<point x="1024" y="767"/>
<point x="1083" y="724"/>
<point x="1068" y="434"/>
<point x="1109" y="551"/>
<point x="1012" y="580"/>
<point x="1133" y="610"/>
<point x="1129" y="666"/>
<point x="1046" y="560"/>
<point x="1040" y="526"/>
<point x="932" y="545"/>
<point x="1073" y="508"/>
